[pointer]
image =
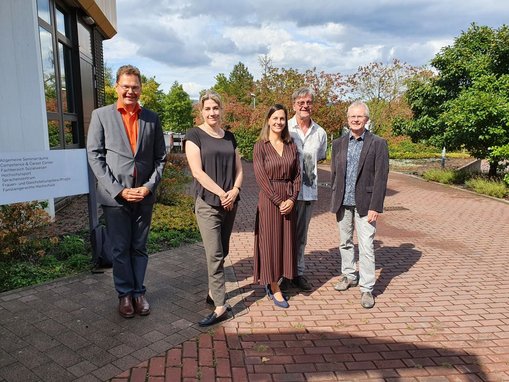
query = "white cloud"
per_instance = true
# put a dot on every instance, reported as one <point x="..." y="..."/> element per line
<point x="191" y="41"/>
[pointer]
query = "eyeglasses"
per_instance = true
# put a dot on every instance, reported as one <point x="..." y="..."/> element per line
<point x="126" y="88"/>
<point x="304" y="103"/>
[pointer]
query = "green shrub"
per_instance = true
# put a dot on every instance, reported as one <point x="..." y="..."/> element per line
<point x="402" y="147"/>
<point x="173" y="225"/>
<point x="160" y="240"/>
<point x="168" y="191"/>
<point x="174" y="181"/>
<point x="489" y="187"/>
<point x="506" y="179"/>
<point x="16" y="274"/>
<point x="27" y="257"/>
<point x="412" y="155"/>
<point x="246" y="138"/>
<point x="179" y="217"/>
<point x="446" y="176"/>
<point x="403" y="144"/>
<point x="18" y="223"/>
<point x="69" y="246"/>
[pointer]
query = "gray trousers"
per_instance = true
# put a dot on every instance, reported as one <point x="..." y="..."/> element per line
<point x="303" y="210"/>
<point x="348" y="218"/>
<point x="127" y="230"/>
<point x="215" y="224"/>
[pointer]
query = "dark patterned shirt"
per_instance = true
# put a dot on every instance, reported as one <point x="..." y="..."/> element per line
<point x="352" y="165"/>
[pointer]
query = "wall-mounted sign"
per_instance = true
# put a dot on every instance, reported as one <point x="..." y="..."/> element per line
<point x="39" y="175"/>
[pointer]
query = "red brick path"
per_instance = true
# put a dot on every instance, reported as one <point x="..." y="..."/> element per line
<point x="441" y="310"/>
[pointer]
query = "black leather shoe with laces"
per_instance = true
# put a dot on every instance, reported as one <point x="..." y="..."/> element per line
<point x="301" y="283"/>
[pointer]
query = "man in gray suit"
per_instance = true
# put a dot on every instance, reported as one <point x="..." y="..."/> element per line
<point x="126" y="152"/>
<point x="359" y="172"/>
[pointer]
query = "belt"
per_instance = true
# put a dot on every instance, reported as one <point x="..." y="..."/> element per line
<point x="289" y="185"/>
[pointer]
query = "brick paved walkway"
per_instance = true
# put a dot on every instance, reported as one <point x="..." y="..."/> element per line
<point x="441" y="312"/>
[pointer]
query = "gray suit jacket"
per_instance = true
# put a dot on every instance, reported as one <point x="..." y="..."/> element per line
<point x="372" y="173"/>
<point x="112" y="160"/>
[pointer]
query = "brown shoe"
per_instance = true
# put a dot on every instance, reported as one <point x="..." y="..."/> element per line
<point x="125" y="307"/>
<point x="141" y="306"/>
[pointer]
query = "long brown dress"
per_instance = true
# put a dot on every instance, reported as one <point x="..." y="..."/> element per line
<point x="278" y="177"/>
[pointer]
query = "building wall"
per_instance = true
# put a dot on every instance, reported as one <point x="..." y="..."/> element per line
<point x="23" y="119"/>
<point x="23" y="124"/>
<point x="23" y="110"/>
<point x="104" y="13"/>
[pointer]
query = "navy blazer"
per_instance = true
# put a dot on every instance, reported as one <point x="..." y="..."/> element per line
<point x="111" y="158"/>
<point x="372" y="173"/>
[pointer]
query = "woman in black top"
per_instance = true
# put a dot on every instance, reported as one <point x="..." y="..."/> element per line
<point x="215" y="163"/>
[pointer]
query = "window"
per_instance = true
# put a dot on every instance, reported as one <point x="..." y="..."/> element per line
<point x="59" y="74"/>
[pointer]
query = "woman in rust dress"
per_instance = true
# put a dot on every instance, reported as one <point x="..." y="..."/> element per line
<point x="277" y="171"/>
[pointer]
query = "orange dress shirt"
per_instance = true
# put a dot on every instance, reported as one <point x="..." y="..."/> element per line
<point x="131" y="124"/>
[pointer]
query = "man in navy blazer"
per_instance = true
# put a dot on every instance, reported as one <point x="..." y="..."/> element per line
<point x="126" y="152"/>
<point x="359" y="172"/>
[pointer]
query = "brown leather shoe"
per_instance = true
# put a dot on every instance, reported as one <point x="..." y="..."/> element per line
<point x="141" y="305"/>
<point x="125" y="307"/>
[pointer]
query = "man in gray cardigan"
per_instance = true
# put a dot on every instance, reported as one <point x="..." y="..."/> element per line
<point x="359" y="172"/>
<point x="126" y="152"/>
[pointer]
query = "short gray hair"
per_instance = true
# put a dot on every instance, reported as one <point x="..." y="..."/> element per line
<point x="301" y="92"/>
<point x="356" y="104"/>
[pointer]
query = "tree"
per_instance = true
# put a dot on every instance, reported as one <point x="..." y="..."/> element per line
<point x="265" y="62"/>
<point x="239" y="83"/>
<point x="110" y="95"/>
<point x="277" y="85"/>
<point x="152" y="96"/>
<point x="466" y="103"/>
<point x="177" y="110"/>
<point x="382" y="87"/>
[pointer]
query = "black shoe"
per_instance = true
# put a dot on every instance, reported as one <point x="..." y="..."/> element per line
<point x="213" y="318"/>
<point x="209" y="300"/>
<point x="301" y="283"/>
<point x="285" y="284"/>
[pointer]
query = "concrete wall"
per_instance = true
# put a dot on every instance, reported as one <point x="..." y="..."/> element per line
<point x="23" y="125"/>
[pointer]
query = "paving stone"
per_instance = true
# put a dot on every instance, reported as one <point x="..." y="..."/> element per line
<point x="82" y="368"/>
<point x="51" y="372"/>
<point x="6" y="358"/>
<point x="18" y="372"/>
<point x="31" y="356"/>
<point x="40" y="340"/>
<point x="430" y="320"/>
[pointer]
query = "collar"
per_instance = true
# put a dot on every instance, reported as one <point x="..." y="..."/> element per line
<point x="121" y="108"/>
<point x="361" y="138"/>
<point x="292" y="123"/>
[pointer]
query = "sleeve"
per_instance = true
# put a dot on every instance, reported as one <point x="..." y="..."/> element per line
<point x="159" y="158"/>
<point x="234" y="140"/>
<point x="96" y="153"/>
<point x="381" y="176"/>
<point x="296" y="174"/>
<point x="333" y="165"/>
<point x="262" y="179"/>
<point x="322" y="151"/>
<point x="192" y="135"/>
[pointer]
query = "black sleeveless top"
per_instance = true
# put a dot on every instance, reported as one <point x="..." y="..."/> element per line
<point x="217" y="160"/>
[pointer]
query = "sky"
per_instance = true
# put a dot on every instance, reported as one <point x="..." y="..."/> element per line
<point x="192" y="41"/>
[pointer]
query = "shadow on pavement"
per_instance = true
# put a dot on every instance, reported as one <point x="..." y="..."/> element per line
<point x="306" y="354"/>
